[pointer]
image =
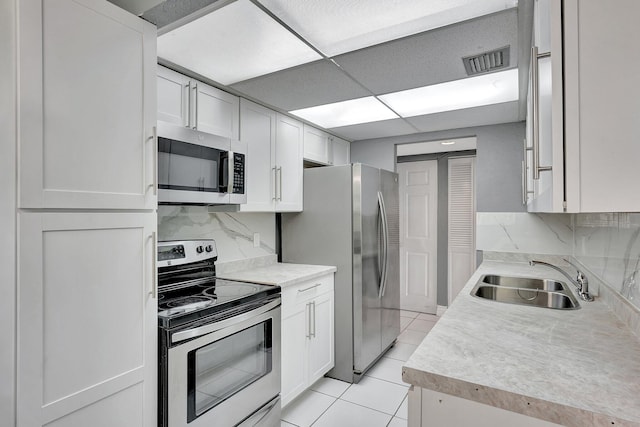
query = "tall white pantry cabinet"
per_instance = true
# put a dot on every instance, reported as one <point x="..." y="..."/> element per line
<point x="86" y="351"/>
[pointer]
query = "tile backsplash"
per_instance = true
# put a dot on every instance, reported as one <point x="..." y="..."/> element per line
<point x="232" y="231"/>
<point x="608" y="244"/>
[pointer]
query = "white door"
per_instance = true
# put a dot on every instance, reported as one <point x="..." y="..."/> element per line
<point x="87" y="320"/>
<point x="321" y="354"/>
<point x="216" y="112"/>
<point x="295" y="325"/>
<point x="289" y="147"/>
<point x="258" y="131"/>
<point x="316" y="145"/>
<point x="87" y="106"/>
<point x="173" y="97"/>
<point x="462" y="214"/>
<point x="418" y="235"/>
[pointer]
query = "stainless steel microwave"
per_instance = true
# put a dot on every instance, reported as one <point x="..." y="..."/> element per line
<point x="198" y="168"/>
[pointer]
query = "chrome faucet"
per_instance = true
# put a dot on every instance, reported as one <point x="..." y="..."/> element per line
<point x="580" y="282"/>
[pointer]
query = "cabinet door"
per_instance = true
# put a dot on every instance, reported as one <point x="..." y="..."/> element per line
<point x="295" y="323"/>
<point x="173" y="97"/>
<point x="87" y="325"/>
<point x="547" y="111"/>
<point x="340" y="152"/>
<point x="216" y="112"/>
<point x="321" y="351"/>
<point x="289" y="164"/>
<point x="258" y="131"/>
<point x="87" y="106"/>
<point x="316" y="145"/>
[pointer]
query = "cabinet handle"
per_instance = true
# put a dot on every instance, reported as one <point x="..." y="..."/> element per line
<point x="525" y="183"/>
<point x="187" y="115"/>
<point x="307" y="310"/>
<point x="280" y="183"/>
<point x="195" y="107"/>
<point x="275" y="180"/>
<point x="155" y="160"/>
<point x="536" y="112"/>
<point x="154" y="274"/>
<point x="309" y="288"/>
<point x="313" y="304"/>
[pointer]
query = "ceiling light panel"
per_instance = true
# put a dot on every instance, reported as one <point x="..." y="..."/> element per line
<point x="354" y="111"/>
<point x="339" y="26"/>
<point x="234" y="43"/>
<point x="466" y="93"/>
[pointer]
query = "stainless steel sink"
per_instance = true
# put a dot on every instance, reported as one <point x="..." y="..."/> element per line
<point x="526" y="291"/>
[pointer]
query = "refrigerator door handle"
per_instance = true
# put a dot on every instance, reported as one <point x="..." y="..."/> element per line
<point x="385" y="245"/>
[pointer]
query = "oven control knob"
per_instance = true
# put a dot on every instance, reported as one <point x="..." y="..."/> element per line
<point x="208" y="248"/>
<point x="199" y="249"/>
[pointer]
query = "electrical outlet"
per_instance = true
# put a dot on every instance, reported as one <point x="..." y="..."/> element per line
<point x="256" y="240"/>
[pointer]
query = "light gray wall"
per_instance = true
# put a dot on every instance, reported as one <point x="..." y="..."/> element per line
<point x="7" y="210"/>
<point x="498" y="167"/>
<point x="498" y="174"/>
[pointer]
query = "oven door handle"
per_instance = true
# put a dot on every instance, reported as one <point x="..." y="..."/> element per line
<point x="207" y="329"/>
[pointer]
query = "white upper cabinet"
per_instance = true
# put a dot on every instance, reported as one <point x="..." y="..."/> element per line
<point x="274" y="159"/>
<point x="187" y="102"/>
<point x="545" y="163"/>
<point x="87" y="107"/>
<point x="601" y="105"/>
<point x="324" y="149"/>
<point x="340" y="152"/>
<point x="317" y="145"/>
<point x="583" y="108"/>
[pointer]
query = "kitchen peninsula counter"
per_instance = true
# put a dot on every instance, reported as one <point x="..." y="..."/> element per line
<point x="281" y="274"/>
<point x="571" y="367"/>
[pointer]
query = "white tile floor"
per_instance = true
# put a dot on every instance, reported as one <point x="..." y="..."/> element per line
<point x="379" y="399"/>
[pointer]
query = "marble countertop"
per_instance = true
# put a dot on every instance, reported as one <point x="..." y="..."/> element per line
<point x="573" y="367"/>
<point x="281" y="274"/>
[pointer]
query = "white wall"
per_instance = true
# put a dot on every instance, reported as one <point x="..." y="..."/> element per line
<point x="7" y="210"/>
<point x="233" y="232"/>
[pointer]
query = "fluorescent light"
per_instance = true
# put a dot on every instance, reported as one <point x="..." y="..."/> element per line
<point x="448" y="143"/>
<point x="351" y="112"/>
<point x="477" y="91"/>
<point x="234" y="43"/>
<point x="336" y="26"/>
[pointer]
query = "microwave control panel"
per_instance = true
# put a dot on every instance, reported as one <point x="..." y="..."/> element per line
<point x="238" y="173"/>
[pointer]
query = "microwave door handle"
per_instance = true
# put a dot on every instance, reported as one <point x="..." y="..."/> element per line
<point x="212" y="327"/>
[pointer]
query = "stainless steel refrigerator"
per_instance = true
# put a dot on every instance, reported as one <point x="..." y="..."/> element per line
<point x="351" y="220"/>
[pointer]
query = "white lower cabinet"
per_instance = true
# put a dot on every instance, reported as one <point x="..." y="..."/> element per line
<point x="428" y="408"/>
<point x="307" y="335"/>
<point x="87" y="325"/>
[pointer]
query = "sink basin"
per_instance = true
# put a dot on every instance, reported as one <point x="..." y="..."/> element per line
<point x="526" y="291"/>
<point x="523" y="282"/>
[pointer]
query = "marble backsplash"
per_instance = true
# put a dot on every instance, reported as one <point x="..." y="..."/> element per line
<point x="607" y="244"/>
<point x="232" y="231"/>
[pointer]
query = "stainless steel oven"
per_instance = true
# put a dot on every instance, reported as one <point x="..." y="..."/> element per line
<point x="219" y="343"/>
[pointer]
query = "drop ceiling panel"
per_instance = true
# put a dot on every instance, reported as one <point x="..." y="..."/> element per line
<point x="432" y="57"/>
<point x="236" y="42"/>
<point x="371" y="130"/>
<point x="339" y="26"/>
<point x="506" y="112"/>
<point x="317" y="83"/>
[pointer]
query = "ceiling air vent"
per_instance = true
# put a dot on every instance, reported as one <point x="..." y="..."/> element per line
<point x="487" y="61"/>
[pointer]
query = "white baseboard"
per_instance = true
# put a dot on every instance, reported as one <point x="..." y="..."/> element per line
<point x="440" y="310"/>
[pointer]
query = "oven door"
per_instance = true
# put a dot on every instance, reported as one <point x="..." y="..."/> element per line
<point x="224" y="376"/>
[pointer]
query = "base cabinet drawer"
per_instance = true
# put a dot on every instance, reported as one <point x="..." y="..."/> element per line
<point x="307" y="335"/>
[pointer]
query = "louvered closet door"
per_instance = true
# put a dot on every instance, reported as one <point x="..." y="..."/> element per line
<point x="462" y="212"/>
